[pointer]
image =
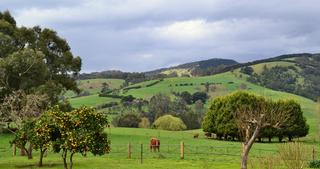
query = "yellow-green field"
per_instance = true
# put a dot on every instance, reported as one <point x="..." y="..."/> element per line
<point x="199" y="153"/>
<point x="92" y="101"/>
<point x="94" y="86"/>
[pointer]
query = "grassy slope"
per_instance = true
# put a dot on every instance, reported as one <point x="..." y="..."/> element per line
<point x="92" y="100"/>
<point x="230" y="82"/>
<point x="94" y="85"/>
<point x="170" y="141"/>
<point x="258" y="68"/>
<point x="179" y="72"/>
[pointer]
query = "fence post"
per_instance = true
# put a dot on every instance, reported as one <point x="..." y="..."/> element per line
<point x="14" y="149"/>
<point x="129" y="150"/>
<point x="313" y="153"/>
<point x="181" y="150"/>
<point x="141" y="154"/>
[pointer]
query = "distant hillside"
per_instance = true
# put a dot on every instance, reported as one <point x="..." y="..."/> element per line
<point x="198" y="68"/>
<point x="298" y="74"/>
<point x="293" y="73"/>
<point x="94" y="86"/>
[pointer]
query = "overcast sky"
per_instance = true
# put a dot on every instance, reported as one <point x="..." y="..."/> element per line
<point x="139" y="35"/>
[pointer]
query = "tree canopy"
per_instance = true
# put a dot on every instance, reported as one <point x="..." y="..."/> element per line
<point x="35" y="60"/>
<point x="221" y="117"/>
<point x="169" y="122"/>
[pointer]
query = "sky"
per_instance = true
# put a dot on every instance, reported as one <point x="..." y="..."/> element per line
<point x="141" y="35"/>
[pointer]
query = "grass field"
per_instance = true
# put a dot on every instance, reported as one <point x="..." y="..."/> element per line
<point x="197" y="153"/>
<point x="179" y="72"/>
<point x="258" y="68"/>
<point x="227" y="82"/>
<point x="197" y="150"/>
<point x="93" y="86"/>
<point x="92" y="100"/>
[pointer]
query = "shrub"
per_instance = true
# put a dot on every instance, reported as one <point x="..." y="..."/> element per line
<point x="169" y="122"/>
<point x="269" y="162"/>
<point x="153" y="83"/>
<point x="107" y="105"/>
<point x="293" y="155"/>
<point x="127" y="120"/>
<point x="199" y="96"/>
<point x="128" y="98"/>
<point x="132" y="87"/>
<point x="145" y="123"/>
<point x="314" y="164"/>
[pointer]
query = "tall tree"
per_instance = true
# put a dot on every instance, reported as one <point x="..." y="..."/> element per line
<point x="251" y="120"/>
<point x="159" y="105"/>
<point x="35" y="59"/>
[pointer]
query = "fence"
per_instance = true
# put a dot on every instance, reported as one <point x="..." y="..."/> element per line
<point x="183" y="151"/>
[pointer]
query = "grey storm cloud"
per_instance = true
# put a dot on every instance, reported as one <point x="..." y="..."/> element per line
<point x="140" y="35"/>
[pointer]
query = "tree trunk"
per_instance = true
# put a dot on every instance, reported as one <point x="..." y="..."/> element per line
<point x="14" y="149"/>
<point x="64" y="156"/>
<point x="26" y="152"/>
<point x="290" y="138"/>
<point x="22" y="152"/>
<point x="29" y="152"/>
<point x="41" y="156"/>
<point x="269" y="139"/>
<point x="246" y="146"/>
<point x="280" y="139"/>
<point x="259" y="139"/>
<point x="71" y="162"/>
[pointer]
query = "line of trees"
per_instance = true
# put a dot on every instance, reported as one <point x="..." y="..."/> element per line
<point x="249" y="117"/>
<point x="78" y="131"/>
<point x="137" y="112"/>
<point x="221" y="118"/>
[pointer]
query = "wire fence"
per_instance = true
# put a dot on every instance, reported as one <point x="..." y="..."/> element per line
<point x="185" y="151"/>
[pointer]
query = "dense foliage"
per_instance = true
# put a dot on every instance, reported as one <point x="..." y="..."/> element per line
<point x="127" y="120"/>
<point x="78" y="131"/>
<point x="221" y="118"/>
<point x="35" y="61"/>
<point x="162" y="104"/>
<point x="301" y="79"/>
<point x="169" y="122"/>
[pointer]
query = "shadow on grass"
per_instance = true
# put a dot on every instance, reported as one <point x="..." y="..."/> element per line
<point x="36" y="166"/>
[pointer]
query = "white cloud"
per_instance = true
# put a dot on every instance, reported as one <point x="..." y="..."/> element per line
<point x="184" y="31"/>
<point x="146" y="34"/>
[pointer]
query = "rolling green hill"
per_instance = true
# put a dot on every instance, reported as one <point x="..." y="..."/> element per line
<point x="227" y="82"/>
<point x="222" y="84"/>
<point x="92" y="100"/>
<point x="94" y="86"/>
<point x="299" y="74"/>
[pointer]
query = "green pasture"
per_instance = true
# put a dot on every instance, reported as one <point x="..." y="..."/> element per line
<point x="94" y="86"/>
<point x="92" y="100"/>
<point x="258" y="68"/>
<point x="199" y="153"/>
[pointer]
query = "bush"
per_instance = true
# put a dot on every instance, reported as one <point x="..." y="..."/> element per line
<point x="128" y="98"/>
<point x="110" y="95"/>
<point x="169" y="122"/>
<point x="133" y="87"/>
<point x="268" y="162"/>
<point x="127" y="120"/>
<point x="83" y="93"/>
<point x="145" y="123"/>
<point x="153" y="83"/>
<point x="107" y="105"/>
<point x="294" y="155"/>
<point x="199" y="96"/>
<point x="314" y="164"/>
